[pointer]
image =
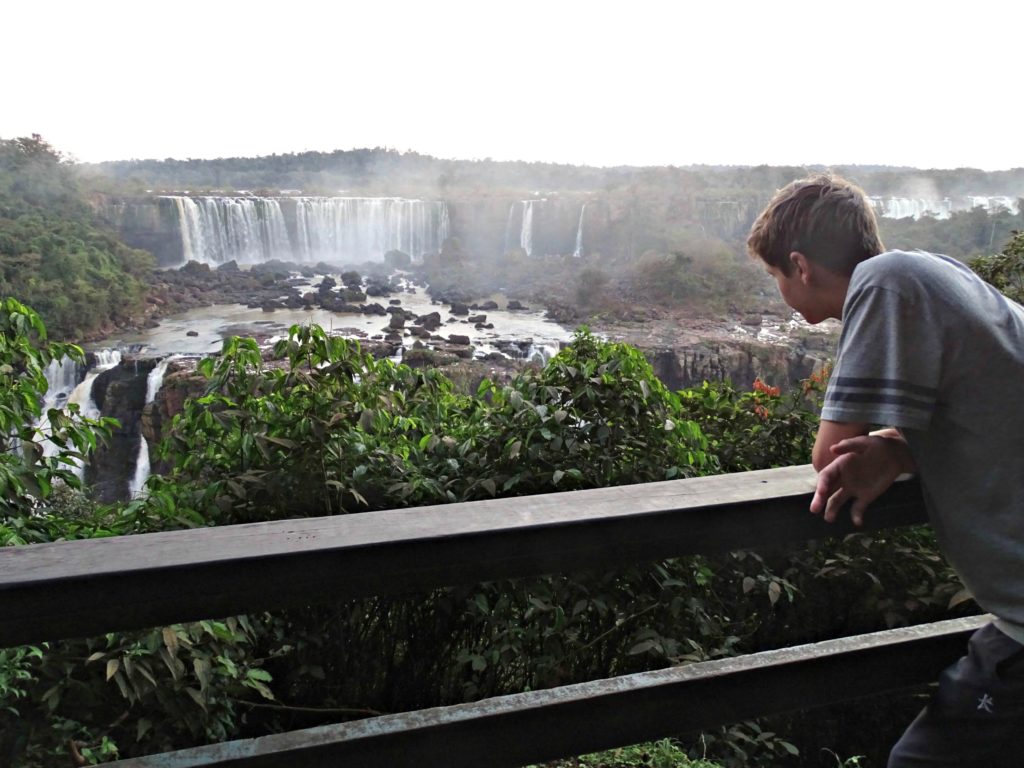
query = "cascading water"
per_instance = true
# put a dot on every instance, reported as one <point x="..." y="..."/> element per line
<point x="916" y="207"/>
<point x="526" y="232"/>
<point x="155" y="380"/>
<point x="578" y="251"/>
<point x="82" y="394"/>
<point x="993" y="204"/>
<point x="62" y="377"/>
<point x="137" y="485"/>
<point x="509" y="228"/>
<point x="250" y="230"/>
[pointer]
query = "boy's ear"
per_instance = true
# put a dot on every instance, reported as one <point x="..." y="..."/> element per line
<point x="802" y="265"/>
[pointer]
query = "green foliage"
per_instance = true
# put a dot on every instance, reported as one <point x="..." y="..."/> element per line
<point x="332" y="430"/>
<point x="180" y="683"/>
<point x="964" y="235"/>
<point x="1005" y="270"/>
<point x="38" y="448"/>
<point x="758" y="429"/>
<point x="53" y="255"/>
<point x="129" y="693"/>
<point x="325" y="429"/>
<point x="665" y="753"/>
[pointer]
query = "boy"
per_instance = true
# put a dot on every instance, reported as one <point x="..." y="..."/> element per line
<point x="935" y="354"/>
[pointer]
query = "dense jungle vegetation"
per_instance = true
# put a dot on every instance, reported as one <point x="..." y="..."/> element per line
<point x="337" y="432"/>
<point x="54" y="254"/>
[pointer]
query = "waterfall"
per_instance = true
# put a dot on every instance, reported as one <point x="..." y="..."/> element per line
<point x="579" y="234"/>
<point x="916" y="207"/>
<point x="61" y="379"/>
<point x="155" y="380"/>
<point x="526" y="233"/>
<point x="137" y="485"/>
<point x="541" y="353"/>
<point x="82" y="394"/>
<point x="62" y="376"/>
<point x="192" y="246"/>
<point x="993" y="204"/>
<point x="509" y="227"/>
<point x="250" y="230"/>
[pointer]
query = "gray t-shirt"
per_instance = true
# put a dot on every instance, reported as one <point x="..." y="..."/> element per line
<point x="930" y="348"/>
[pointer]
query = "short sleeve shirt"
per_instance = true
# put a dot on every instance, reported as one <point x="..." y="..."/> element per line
<point x="930" y="348"/>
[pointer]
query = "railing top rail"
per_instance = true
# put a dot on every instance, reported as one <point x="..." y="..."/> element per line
<point x="89" y="587"/>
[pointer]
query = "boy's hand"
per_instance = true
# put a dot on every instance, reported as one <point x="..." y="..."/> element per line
<point x="863" y="470"/>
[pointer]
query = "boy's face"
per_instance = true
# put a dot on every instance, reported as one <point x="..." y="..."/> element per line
<point x="799" y="292"/>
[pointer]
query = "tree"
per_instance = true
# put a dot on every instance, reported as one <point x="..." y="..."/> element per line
<point x="1005" y="270"/>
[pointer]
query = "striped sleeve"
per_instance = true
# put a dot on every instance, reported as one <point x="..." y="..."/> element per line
<point x="888" y="362"/>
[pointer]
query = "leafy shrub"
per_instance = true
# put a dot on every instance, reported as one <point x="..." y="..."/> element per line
<point x="326" y="429"/>
<point x="1005" y="270"/>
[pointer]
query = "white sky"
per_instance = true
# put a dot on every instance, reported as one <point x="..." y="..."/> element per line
<point x="928" y="83"/>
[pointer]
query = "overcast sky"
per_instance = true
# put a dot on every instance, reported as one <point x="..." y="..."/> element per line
<point x="898" y="82"/>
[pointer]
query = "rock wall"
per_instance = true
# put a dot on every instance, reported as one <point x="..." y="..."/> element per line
<point x="149" y="223"/>
<point x="737" y="362"/>
<point x="119" y="392"/>
<point x="489" y="225"/>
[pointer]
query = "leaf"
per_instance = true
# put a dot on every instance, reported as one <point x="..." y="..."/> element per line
<point x="96" y="657"/>
<point x="556" y="476"/>
<point x="170" y="640"/>
<point x="263" y="690"/>
<point x="788" y="747"/>
<point x="774" y="592"/>
<point x="960" y="597"/>
<point x="748" y="584"/>
<point x="642" y="647"/>
<point x="197" y="697"/>
<point x="202" y="669"/>
<point x="112" y="666"/>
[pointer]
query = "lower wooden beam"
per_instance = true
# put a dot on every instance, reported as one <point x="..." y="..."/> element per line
<point x="510" y="731"/>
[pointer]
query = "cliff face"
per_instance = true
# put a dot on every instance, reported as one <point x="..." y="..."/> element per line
<point x="149" y="223"/>
<point x="739" y="362"/>
<point x="616" y="223"/>
<point x="119" y="392"/>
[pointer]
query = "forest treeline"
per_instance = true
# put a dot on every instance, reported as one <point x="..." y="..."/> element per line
<point x="389" y="170"/>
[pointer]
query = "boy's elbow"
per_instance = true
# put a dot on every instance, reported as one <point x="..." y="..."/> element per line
<point x="830" y="433"/>
<point x="821" y="456"/>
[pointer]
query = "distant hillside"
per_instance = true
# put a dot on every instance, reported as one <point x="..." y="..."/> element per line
<point x="404" y="173"/>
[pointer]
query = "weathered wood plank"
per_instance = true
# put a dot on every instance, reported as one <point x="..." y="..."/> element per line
<point x="70" y="589"/>
<point x="510" y="731"/>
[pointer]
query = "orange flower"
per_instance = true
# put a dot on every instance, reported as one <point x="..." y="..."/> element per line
<point x="760" y="386"/>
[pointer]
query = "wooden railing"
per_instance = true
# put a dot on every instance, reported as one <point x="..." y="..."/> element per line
<point x="62" y="590"/>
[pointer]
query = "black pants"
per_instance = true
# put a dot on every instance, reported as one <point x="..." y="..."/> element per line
<point x="976" y="717"/>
